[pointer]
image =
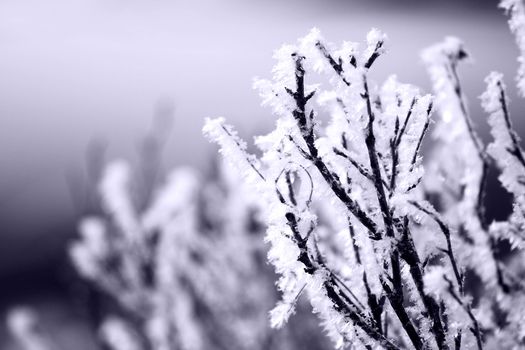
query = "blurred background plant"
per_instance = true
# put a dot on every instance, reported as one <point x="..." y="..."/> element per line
<point x="170" y="260"/>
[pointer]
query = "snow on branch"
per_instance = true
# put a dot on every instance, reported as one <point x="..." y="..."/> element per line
<point x="516" y="11"/>
<point x="357" y="242"/>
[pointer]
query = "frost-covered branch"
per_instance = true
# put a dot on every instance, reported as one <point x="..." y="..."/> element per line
<point x="508" y="154"/>
<point x="458" y="141"/>
<point x="367" y="163"/>
<point x="457" y="181"/>
<point x="516" y="11"/>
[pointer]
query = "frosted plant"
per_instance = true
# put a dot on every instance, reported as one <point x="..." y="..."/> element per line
<point x="187" y="271"/>
<point x="345" y="204"/>
<point x="508" y="155"/>
<point x="150" y="261"/>
<point x="363" y="172"/>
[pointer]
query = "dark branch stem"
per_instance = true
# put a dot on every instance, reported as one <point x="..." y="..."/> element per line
<point x="372" y="299"/>
<point x="374" y="163"/>
<point x="410" y="256"/>
<point x="246" y="158"/>
<point x="362" y="170"/>
<point x="516" y="149"/>
<point x="468" y="309"/>
<point x="394" y="146"/>
<point x="337" y="66"/>
<point x="308" y="136"/>
<point x="395" y="297"/>
<point x="459" y="279"/>
<point x="464" y="111"/>
<point x="482" y="155"/>
<point x="450" y="253"/>
<point x="421" y="136"/>
<point x="341" y="302"/>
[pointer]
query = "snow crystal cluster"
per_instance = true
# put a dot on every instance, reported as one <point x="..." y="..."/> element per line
<point x="389" y="254"/>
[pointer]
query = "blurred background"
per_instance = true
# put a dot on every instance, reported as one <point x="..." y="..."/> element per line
<point x="74" y="72"/>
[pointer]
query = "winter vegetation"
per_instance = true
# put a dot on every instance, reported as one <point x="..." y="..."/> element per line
<point x="332" y="225"/>
<point x="391" y="252"/>
<point x="164" y="269"/>
<point x="182" y="259"/>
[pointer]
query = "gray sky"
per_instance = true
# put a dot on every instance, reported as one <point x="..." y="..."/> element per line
<point x="74" y="70"/>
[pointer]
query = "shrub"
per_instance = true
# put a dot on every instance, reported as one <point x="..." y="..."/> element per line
<point x="347" y="205"/>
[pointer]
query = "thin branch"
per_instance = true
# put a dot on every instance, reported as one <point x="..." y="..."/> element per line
<point x="421" y="136"/>
<point x="446" y="232"/>
<point x="374" y="163"/>
<point x="482" y="155"/>
<point x="362" y="170"/>
<point x="246" y="158"/>
<point x="337" y="66"/>
<point x="374" y="55"/>
<point x="468" y="309"/>
<point x="516" y="149"/>
<point x="340" y="302"/>
<point x="453" y="74"/>
<point x="407" y="119"/>
<point x="308" y="136"/>
<point x="372" y="299"/>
